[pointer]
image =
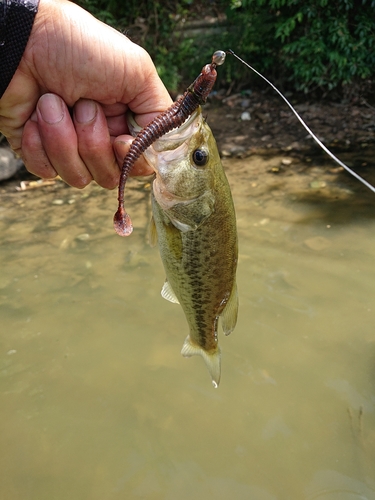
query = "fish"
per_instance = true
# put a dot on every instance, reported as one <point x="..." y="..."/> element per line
<point x="194" y="224"/>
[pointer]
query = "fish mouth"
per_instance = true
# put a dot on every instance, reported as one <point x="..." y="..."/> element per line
<point x="171" y="140"/>
<point x="170" y="146"/>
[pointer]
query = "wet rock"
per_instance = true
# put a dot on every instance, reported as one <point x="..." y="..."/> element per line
<point x="286" y="161"/>
<point x="64" y="244"/>
<point x="9" y="164"/>
<point x="83" y="237"/>
<point x="263" y="117"/>
<point x="317" y="243"/>
<point x="264" y="221"/>
<point x="318" y="184"/>
<point x="233" y="150"/>
<point x="225" y="153"/>
<point x="4" y="281"/>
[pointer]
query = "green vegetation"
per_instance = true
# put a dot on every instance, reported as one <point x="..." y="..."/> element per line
<point x="308" y="44"/>
<point x="302" y="45"/>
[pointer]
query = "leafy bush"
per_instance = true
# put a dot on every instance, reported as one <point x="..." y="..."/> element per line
<point x="307" y="44"/>
<point x="301" y="45"/>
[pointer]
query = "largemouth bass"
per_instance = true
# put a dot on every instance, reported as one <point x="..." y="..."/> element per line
<point x="195" y="226"/>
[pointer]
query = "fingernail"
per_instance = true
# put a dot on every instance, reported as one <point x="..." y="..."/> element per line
<point x="126" y="142"/>
<point x="121" y="147"/>
<point x="85" y="111"/>
<point x="120" y="143"/>
<point x="51" y="108"/>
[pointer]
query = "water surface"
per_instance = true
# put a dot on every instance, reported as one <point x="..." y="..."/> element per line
<point x="98" y="404"/>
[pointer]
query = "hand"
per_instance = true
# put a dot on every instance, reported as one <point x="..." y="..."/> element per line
<point x="74" y="61"/>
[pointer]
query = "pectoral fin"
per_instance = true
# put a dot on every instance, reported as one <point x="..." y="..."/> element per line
<point x="229" y="315"/>
<point x="189" y="216"/>
<point x="212" y="360"/>
<point x="168" y="294"/>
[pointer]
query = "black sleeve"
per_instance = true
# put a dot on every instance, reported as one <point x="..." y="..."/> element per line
<point x="16" y="21"/>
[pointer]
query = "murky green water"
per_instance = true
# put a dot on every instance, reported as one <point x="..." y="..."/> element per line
<point x="97" y="402"/>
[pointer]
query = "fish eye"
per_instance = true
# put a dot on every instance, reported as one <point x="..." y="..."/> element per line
<point x="200" y="157"/>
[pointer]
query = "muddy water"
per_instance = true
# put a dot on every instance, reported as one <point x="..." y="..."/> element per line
<point x="97" y="402"/>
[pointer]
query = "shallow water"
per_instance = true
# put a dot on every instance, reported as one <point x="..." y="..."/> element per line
<point x="97" y="402"/>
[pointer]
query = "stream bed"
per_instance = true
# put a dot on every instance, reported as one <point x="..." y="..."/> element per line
<point x="98" y="404"/>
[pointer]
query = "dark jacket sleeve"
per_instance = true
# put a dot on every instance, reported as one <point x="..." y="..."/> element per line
<point x="16" y="21"/>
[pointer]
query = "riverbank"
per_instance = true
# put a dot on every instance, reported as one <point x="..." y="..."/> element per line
<point x="260" y="123"/>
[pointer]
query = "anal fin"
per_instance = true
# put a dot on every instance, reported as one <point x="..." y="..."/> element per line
<point x="168" y="294"/>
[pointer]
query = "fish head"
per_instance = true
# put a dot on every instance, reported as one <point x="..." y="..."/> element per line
<point x="185" y="161"/>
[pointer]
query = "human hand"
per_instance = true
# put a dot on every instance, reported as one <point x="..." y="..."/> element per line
<point x="74" y="61"/>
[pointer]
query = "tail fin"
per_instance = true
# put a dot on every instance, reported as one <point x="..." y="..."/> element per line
<point x="213" y="361"/>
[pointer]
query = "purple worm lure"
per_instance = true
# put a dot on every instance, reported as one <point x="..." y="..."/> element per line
<point x="170" y="119"/>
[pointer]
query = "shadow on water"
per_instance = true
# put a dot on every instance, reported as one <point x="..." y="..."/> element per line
<point x="340" y="196"/>
<point x="96" y="400"/>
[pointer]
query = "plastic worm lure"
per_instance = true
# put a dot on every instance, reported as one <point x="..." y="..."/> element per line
<point x="170" y="119"/>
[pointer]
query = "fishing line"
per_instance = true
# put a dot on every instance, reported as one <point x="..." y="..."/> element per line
<point x="354" y="174"/>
